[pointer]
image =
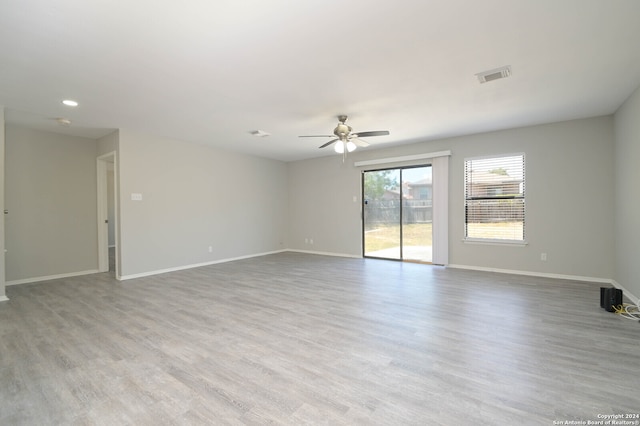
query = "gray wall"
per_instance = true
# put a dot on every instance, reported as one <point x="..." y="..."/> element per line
<point x="2" y="167"/>
<point x="193" y="197"/>
<point x="196" y="196"/>
<point x="108" y="143"/>
<point x="51" y="197"/>
<point x="569" y="187"/>
<point x="627" y="189"/>
<point x="321" y="206"/>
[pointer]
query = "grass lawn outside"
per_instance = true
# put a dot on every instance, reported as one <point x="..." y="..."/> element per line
<point x="507" y="230"/>
<point x="381" y="237"/>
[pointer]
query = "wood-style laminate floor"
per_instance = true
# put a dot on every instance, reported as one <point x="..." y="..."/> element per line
<point x="302" y="339"/>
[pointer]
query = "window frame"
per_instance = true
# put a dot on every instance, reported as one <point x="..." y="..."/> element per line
<point x="495" y="241"/>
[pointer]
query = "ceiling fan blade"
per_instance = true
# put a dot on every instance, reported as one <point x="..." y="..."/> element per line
<point x="316" y="136"/>
<point x="359" y="142"/>
<point x="329" y="143"/>
<point x="374" y="133"/>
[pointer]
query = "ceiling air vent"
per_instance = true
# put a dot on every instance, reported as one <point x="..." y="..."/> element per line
<point x="495" y="74"/>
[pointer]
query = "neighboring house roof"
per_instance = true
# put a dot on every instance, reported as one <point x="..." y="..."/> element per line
<point x="421" y="182"/>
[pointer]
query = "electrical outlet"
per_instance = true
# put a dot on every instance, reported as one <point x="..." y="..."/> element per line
<point x="543" y="257"/>
<point x="210" y="249"/>
<point x="310" y="240"/>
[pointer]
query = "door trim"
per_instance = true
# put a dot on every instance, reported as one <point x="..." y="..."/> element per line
<point x="103" y="214"/>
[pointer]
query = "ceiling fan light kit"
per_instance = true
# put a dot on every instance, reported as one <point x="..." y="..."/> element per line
<point x="345" y="140"/>
<point x="340" y="146"/>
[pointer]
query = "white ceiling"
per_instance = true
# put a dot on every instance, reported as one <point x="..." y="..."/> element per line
<point x="212" y="71"/>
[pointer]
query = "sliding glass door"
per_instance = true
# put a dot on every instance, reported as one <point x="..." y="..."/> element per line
<point x="382" y="210"/>
<point x="397" y="213"/>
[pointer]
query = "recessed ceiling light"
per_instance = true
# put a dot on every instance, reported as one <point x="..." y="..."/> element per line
<point x="70" y="102"/>
<point x="63" y="121"/>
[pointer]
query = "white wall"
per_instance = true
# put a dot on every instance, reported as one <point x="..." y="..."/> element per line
<point x="51" y="197"/>
<point x="569" y="183"/>
<point x="193" y="197"/>
<point x="627" y="191"/>
<point x="2" y="167"/>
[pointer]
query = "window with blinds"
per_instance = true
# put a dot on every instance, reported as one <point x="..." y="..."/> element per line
<point x="494" y="199"/>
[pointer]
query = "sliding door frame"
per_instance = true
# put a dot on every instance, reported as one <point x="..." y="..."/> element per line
<point x="364" y="247"/>
<point x="401" y="214"/>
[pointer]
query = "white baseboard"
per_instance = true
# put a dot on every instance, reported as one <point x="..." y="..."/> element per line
<point x="325" y="253"/>
<point x="51" y="277"/>
<point x="533" y="274"/>
<point x="625" y="292"/>
<point x="193" y="265"/>
<point x="612" y="282"/>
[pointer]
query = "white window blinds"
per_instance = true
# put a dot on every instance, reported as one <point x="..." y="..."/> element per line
<point x="495" y="198"/>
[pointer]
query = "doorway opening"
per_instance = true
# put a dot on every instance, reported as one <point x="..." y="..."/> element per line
<point x="398" y="214"/>
<point x="108" y="252"/>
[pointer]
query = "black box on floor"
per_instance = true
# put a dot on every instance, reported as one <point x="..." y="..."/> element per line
<point x="610" y="298"/>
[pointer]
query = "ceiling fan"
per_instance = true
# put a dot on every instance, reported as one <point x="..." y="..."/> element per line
<point x="347" y="141"/>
